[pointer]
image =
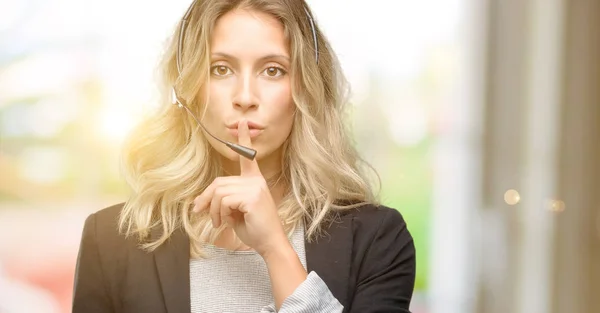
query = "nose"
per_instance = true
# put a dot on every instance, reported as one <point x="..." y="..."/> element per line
<point x="245" y="94"/>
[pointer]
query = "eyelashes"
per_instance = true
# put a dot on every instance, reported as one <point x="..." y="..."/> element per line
<point x="276" y="69"/>
<point x="223" y="71"/>
<point x="217" y="70"/>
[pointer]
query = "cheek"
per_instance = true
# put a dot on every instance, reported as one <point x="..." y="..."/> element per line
<point x="216" y="102"/>
<point x="284" y="122"/>
<point x="283" y="108"/>
<point x="279" y="95"/>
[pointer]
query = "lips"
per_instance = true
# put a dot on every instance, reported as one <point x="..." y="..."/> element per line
<point x="254" y="132"/>
<point x="251" y="125"/>
<point x="255" y="129"/>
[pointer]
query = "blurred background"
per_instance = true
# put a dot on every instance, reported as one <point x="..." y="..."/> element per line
<point x="482" y="117"/>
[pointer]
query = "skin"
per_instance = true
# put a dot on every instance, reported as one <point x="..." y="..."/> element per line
<point x="250" y="82"/>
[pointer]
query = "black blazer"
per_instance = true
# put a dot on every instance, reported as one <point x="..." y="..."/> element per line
<point x="367" y="259"/>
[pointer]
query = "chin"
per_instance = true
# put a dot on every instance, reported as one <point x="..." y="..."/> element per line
<point x="224" y="152"/>
<point x="228" y="154"/>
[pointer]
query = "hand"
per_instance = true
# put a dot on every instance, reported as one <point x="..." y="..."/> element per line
<point x="245" y="203"/>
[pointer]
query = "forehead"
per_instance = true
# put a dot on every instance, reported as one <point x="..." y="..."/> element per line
<point x="252" y="33"/>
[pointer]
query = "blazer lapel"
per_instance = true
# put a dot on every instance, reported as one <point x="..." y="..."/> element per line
<point x="330" y="256"/>
<point x="173" y="266"/>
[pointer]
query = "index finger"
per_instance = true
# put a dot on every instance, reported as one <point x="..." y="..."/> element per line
<point x="247" y="167"/>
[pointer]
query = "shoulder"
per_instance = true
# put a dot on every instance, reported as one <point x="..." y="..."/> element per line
<point x="369" y="229"/>
<point x="370" y="219"/>
<point x="106" y="220"/>
<point x="379" y="230"/>
<point x="373" y="212"/>
<point x="102" y="227"/>
<point x="108" y="215"/>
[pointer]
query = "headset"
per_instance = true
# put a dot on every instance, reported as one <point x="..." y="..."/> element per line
<point x="241" y="150"/>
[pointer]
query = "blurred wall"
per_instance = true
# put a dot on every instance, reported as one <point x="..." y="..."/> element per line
<point x="576" y="274"/>
<point x="540" y="241"/>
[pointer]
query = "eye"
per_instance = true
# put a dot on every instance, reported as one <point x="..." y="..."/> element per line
<point x="274" y="71"/>
<point x="220" y="70"/>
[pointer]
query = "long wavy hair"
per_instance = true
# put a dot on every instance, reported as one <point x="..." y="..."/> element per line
<point x="167" y="161"/>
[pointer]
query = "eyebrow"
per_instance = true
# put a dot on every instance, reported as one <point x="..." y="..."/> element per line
<point x="263" y="58"/>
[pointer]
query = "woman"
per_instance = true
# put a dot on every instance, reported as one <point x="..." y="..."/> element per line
<point x="281" y="218"/>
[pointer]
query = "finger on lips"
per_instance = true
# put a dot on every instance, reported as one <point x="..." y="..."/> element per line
<point x="247" y="167"/>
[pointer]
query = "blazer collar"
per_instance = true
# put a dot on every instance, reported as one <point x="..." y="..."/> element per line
<point x="329" y="256"/>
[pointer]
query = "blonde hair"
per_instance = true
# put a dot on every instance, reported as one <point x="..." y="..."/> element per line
<point x="167" y="162"/>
